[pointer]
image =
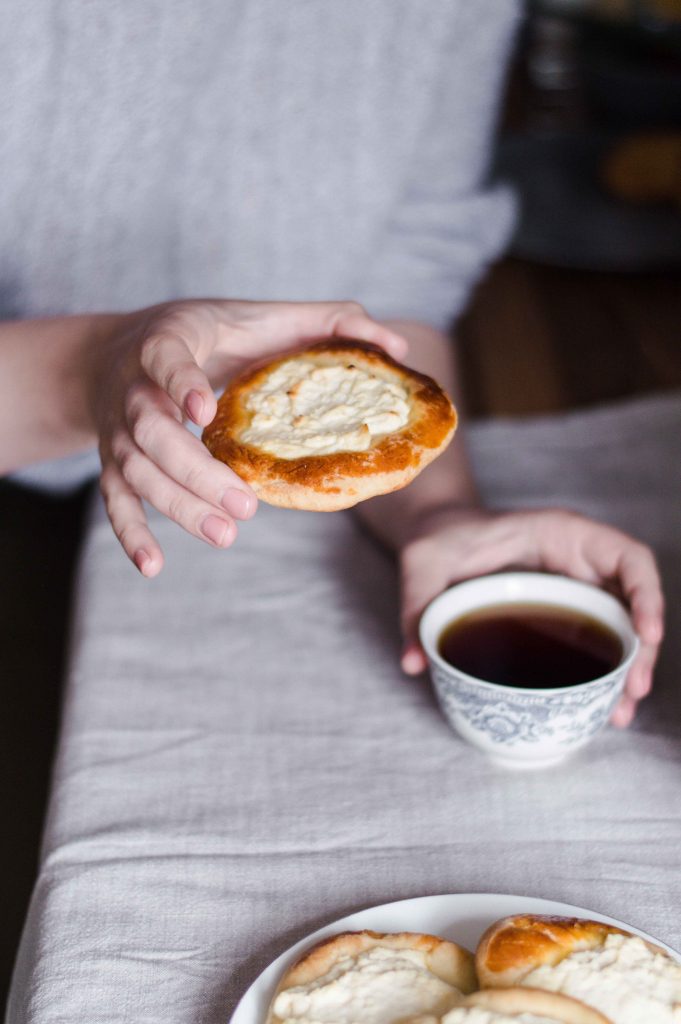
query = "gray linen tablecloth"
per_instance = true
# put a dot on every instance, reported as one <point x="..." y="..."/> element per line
<point x="241" y="759"/>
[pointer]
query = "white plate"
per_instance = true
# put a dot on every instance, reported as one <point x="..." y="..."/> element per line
<point x="461" y="917"/>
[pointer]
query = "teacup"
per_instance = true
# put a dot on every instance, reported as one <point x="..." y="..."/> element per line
<point x="521" y="727"/>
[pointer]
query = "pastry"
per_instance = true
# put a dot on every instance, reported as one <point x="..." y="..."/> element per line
<point x="330" y="425"/>
<point x="628" y="979"/>
<point x="373" y="978"/>
<point x="522" y="1006"/>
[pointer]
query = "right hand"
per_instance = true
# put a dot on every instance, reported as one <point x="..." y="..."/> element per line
<point x="159" y="368"/>
<point x="455" y="544"/>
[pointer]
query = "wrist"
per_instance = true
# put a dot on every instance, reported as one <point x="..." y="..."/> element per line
<point x="429" y="518"/>
<point x="398" y="523"/>
<point x="92" y="368"/>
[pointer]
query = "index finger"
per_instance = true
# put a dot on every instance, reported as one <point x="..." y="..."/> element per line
<point x="642" y="588"/>
<point x="355" y="323"/>
<point x="602" y="554"/>
<point x="305" y="321"/>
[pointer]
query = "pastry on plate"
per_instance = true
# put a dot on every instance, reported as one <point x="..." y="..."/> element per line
<point x="373" y="978"/>
<point x="629" y="980"/>
<point x="330" y="425"/>
<point x="522" y="1006"/>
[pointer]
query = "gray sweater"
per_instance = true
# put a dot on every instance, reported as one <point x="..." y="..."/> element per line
<point x="249" y="148"/>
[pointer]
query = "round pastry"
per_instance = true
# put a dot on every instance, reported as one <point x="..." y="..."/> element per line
<point x="330" y="425"/>
<point x="628" y="979"/>
<point x="374" y="978"/>
<point x="522" y="1006"/>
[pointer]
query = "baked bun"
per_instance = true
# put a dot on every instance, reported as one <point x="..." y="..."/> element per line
<point x="514" y="946"/>
<point x="629" y="980"/>
<point x="374" y="978"/>
<point x="330" y="425"/>
<point x="522" y="1006"/>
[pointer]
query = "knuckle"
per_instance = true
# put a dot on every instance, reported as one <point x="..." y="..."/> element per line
<point x="106" y="482"/>
<point x="134" y="398"/>
<point x="558" y="525"/>
<point x="127" y="464"/>
<point x="564" y="516"/>
<point x="120" y="446"/>
<point x="112" y="502"/>
<point x="194" y="479"/>
<point x="637" y="551"/>
<point x="177" y="508"/>
<point x="142" y="428"/>
<point x="645" y="552"/>
<point x="177" y="312"/>
<point x="124" y="532"/>
<point x="180" y="321"/>
<point x="108" y="500"/>
<point x="112" y="506"/>
<point x="150" y="348"/>
<point x="175" y="377"/>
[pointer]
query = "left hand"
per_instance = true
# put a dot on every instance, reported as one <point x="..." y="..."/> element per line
<point x="453" y="544"/>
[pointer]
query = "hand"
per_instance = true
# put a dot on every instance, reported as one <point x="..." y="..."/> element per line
<point x="159" y="367"/>
<point x="456" y="544"/>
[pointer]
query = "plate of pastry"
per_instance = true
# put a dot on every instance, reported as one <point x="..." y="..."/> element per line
<point x="470" y="958"/>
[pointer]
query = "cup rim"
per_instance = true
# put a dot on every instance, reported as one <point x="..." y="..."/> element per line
<point x="434" y="656"/>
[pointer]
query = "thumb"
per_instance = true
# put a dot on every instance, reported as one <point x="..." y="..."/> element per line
<point x="422" y="578"/>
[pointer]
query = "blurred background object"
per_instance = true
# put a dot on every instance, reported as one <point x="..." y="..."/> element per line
<point x="586" y="307"/>
<point x="592" y="139"/>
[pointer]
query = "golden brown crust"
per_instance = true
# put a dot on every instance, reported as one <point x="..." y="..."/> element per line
<point x="447" y="960"/>
<point x="512" y="1001"/>
<point x="335" y="481"/>
<point x="514" y="946"/>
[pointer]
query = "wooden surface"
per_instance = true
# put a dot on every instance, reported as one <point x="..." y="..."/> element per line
<point x="535" y="340"/>
<point x="540" y="339"/>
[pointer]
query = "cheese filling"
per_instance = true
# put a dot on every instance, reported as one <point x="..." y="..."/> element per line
<point x="623" y="979"/>
<point x="478" y="1015"/>
<point x="378" y="986"/>
<point x="302" y="409"/>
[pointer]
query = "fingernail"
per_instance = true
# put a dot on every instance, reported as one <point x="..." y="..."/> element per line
<point x="194" y="406"/>
<point x="216" y="530"/>
<point x="412" y="662"/>
<point x="238" y="503"/>
<point x="623" y="715"/>
<point x="142" y="560"/>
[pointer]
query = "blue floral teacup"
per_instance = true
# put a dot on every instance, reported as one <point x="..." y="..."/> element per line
<point x="518" y="727"/>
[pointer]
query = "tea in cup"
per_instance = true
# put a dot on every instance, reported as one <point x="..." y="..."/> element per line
<point x="527" y="666"/>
